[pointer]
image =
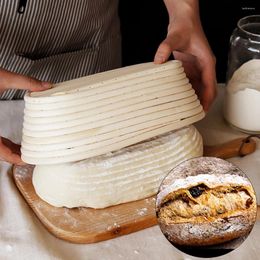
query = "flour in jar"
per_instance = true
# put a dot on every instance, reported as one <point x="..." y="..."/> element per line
<point x="242" y="101"/>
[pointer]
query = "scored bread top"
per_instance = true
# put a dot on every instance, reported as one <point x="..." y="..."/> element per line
<point x="211" y="181"/>
<point x="212" y="172"/>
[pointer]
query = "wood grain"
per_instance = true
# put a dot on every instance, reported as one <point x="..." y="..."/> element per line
<point x="85" y="225"/>
<point x="231" y="149"/>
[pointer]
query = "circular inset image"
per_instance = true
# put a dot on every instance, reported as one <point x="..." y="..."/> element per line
<point x="206" y="207"/>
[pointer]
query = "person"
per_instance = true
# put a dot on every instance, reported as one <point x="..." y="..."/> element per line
<point x="52" y="41"/>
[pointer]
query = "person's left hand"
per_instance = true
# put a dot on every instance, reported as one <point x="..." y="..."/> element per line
<point x="187" y="41"/>
<point x="10" y="152"/>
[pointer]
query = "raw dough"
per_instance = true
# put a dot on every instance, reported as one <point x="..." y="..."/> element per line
<point x="129" y="174"/>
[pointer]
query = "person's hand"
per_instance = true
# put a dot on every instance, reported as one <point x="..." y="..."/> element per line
<point x="9" y="151"/>
<point x="188" y="43"/>
<point x="11" y="80"/>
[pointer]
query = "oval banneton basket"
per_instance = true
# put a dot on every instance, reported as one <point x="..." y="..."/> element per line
<point x="101" y="113"/>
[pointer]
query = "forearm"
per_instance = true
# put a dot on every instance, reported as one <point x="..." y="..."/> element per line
<point x="183" y="9"/>
<point x="187" y="41"/>
<point x="184" y="20"/>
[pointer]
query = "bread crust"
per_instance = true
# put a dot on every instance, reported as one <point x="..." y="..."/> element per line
<point x="206" y="230"/>
<point x="210" y="233"/>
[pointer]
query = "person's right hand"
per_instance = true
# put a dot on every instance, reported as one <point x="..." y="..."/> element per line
<point x="188" y="43"/>
<point x="9" y="151"/>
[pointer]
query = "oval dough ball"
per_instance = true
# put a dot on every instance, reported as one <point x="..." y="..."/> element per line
<point x="129" y="174"/>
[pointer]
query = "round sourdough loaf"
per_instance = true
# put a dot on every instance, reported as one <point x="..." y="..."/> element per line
<point x="205" y="201"/>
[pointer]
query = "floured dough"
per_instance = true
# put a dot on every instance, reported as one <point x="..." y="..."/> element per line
<point x="129" y="174"/>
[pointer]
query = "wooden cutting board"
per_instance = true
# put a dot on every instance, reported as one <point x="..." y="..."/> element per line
<point x="85" y="225"/>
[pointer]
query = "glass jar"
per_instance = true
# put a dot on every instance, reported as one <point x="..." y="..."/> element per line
<point x="242" y="97"/>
